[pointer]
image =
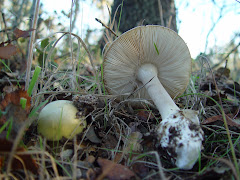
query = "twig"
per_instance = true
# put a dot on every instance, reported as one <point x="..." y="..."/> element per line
<point x="4" y="22"/>
<point x="30" y="48"/>
<point x="5" y="30"/>
<point x="213" y="26"/>
<point x="139" y="88"/>
<point x="98" y="20"/>
<point x="71" y="46"/>
<point x="226" y="57"/>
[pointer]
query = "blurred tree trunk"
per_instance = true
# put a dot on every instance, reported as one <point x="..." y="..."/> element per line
<point x="143" y="12"/>
<point x="140" y="12"/>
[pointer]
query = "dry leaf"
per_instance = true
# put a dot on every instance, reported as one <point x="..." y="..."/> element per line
<point x="19" y="33"/>
<point x="140" y="169"/>
<point x="27" y="159"/>
<point x="14" y="98"/>
<point x="7" y="51"/>
<point x="145" y="115"/>
<point x="114" y="171"/>
<point x="14" y="111"/>
<point x="229" y="117"/>
<point x="91" y="135"/>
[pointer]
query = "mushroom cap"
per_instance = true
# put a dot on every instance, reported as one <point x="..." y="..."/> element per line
<point x="59" y="119"/>
<point x="151" y="44"/>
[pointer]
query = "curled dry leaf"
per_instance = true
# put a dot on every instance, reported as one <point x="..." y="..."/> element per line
<point x="27" y="159"/>
<point x="114" y="171"/>
<point x="19" y="33"/>
<point x="7" y="51"/>
<point x="91" y="135"/>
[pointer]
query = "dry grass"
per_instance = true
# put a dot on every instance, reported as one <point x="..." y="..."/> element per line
<point x="112" y="123"/>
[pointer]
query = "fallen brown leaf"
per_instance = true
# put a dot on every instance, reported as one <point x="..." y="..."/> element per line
<point x="11" y="105"/>
<point x="229" y="119"/>
<point x="19" y="33"/>
<point x="5" y="149"/>
<point x="7" y="51"/>
<point x="14" y="98"/>
<point x="145" y="115"/>
<point x="114" y="171"/>
<point x="140" y="169"/>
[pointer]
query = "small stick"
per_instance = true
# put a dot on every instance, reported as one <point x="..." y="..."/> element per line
<point x="98" y="20"/>
<point x="4" y="22"/>
<point x="31" y="44"/>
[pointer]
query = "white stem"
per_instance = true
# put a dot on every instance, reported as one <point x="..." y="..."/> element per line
<point x="147" y="74"/>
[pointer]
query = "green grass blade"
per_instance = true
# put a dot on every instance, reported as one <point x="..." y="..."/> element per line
<point x="9" y="128"/>
<point x="4" y="126"/>
<point x="156" y="48"/>
<point x="120" y="15"/>
<point x="33" y="112"/>
<point x="23" y="102"/>
<point x="63" y="168"/>
<point x="34" y="80"/>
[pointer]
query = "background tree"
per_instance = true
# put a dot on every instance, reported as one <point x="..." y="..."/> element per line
<point x="131" y="13"/>
<point x="142" y="12"/>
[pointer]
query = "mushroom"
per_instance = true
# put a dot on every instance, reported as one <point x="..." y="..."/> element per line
<point x="153" y="62"/>
<point x="59" y="119"/>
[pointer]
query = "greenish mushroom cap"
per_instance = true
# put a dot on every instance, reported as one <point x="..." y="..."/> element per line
<point x="58" y="119"/>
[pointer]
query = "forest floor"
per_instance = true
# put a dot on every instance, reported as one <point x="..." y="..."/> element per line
<point x="119" y="141"/>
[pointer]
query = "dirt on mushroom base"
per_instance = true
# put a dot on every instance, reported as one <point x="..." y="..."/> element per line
<point x="112" y="123"/>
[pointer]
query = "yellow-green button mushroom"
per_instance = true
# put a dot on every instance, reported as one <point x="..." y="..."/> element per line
<point x="59" y="119"/>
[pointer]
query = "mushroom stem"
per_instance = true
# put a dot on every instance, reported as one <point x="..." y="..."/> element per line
<point x="179" y="131"/>
<point x="147" y="74"/>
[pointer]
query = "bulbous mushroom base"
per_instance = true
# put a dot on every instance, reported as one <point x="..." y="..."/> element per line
<point x="181" y="136"/>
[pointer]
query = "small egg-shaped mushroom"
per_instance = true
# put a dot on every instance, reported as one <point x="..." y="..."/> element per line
<point x="157" y="58"/>
<point x="59" y="119"/>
